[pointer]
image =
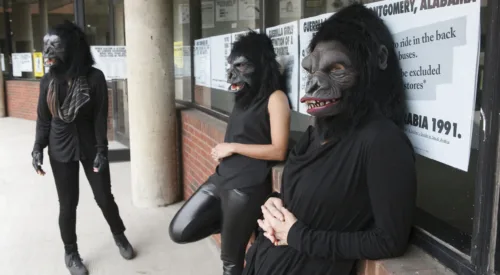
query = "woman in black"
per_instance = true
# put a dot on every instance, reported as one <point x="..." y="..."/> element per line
<point x="349" y="186"/>
<point x="256" y="136"/>
<point x="72" y="122"/>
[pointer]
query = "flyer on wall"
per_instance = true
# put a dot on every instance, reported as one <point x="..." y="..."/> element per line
<point x="220" y="50"/>
<point x="438" y="48"/>
<point x="226" y="10"/>
<point x="249" y="10"/>
<point x="111" y="60"/>
<point x="202" y="62"/>
<point x="207" y="14"/>
<point x="286" y="45"/>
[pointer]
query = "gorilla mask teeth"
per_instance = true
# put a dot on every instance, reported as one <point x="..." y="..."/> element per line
<point x="320" y="103"/>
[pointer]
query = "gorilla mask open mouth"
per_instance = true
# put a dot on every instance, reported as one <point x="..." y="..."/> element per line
<point x="236" y="87"/>
<point x="315" y="105"/>
<point x="49" y="62"/>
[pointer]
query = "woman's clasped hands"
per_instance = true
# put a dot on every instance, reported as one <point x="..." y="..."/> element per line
<point x="277" y="221"/>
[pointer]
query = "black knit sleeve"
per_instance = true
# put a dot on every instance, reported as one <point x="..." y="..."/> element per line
<point x="44" y="117"/>
<point x="391" y="183"/>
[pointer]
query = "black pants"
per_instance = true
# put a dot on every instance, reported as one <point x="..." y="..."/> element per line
<point x="66" y="176"/>
<point x="232" y="212"/>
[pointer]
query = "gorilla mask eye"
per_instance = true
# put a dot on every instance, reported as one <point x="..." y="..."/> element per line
<point x="337" y="67"/>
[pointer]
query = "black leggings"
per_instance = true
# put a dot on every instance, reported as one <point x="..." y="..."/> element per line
<point x="66" y="176"/>
<point x="232" y="212"/>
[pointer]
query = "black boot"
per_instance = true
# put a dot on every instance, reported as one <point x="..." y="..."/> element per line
<point x="74" y="263"/>
<point x="126" y="249"/>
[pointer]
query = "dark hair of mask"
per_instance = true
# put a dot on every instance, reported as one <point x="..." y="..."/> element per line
<point x="77" y="56"/>
<point x="258" y="49"/>
<point x="361" y="31"/>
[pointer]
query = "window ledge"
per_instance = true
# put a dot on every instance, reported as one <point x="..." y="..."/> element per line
<point x="415" y="260"/>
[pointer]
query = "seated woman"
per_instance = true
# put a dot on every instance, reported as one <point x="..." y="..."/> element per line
<point x="349" y="185"/>
<point x="256" y="136"/>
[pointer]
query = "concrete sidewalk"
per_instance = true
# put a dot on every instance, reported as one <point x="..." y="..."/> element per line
<point x="30" y="243"/>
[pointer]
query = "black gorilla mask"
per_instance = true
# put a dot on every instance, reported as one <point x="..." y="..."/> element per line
<point x="331" y="77"/>
<point x="53" y="50"/>
<point x="240" y="73"/>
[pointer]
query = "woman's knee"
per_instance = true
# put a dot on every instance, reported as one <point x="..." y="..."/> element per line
<point x="176" y="231"/>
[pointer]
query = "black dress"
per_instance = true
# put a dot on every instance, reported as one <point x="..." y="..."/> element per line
<point x="354" y="198"/>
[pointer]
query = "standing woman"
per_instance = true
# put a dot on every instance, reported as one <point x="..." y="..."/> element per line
<point x="256" y="137"/>
<point x="72" y="122"/>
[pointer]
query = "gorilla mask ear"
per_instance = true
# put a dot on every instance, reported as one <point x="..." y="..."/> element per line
<point x="383" y="55"/>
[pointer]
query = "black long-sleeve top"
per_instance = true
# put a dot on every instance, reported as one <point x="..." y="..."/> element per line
<point x="86" y="135"/>
<point x="354" y="198"/>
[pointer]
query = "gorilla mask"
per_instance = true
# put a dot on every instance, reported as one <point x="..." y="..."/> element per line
<point x="66" y="51"/>
<point x="53" y="50"/>
<point x="331" y="75"/>
<point x="240" y="73"/>
<point x="253" y="72"/>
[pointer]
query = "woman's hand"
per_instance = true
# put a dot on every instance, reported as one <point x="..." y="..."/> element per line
<point x="272" y="204"/>
<point x="222" y="150"/>
<point x="280" y="228"/>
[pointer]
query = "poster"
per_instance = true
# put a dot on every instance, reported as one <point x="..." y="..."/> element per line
<point x="290" y="9"/>
<point x="178" y="59"/>
<point x="438" y="48"/>
<point x="226" y="10"/>
<point x="111" y="60"/>
<point x="21" y="62"/>
<point x="202" y="62"/>
<point x="220" y="50"/>
<point x="38" y="64"/>
<point x="184" y="14"/>
<point x="286" y="45"/>
<point x="207" y="15"/>
<point x="249" y="9"/>
<point x="186" y="51"/>
<point x="308" y="27"/>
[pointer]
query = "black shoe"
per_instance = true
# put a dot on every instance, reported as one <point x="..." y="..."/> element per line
<point x="74" y="264"/>
<point x="126" y="249"/>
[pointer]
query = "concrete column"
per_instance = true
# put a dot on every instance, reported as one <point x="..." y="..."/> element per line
<point x="152" y="115"/>
<point x="22" y="26"/>
<point x="44" y="16"/>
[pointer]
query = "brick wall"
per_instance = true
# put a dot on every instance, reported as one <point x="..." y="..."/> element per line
<point x="200" y="132"/>
<point x="22" y="100"/>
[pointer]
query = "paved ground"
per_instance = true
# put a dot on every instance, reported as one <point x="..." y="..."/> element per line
<point x="29" y="235"/>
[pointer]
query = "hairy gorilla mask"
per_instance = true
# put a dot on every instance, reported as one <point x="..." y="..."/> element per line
<point x="66" y="51"/>
<point x="352" y="68"/>
<point x="253" y="71"/>
<point x="240" y="73"/>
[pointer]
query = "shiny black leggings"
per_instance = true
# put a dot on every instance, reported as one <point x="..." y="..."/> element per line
<point x="233" y="213"/>
<point x="66" y="176"/>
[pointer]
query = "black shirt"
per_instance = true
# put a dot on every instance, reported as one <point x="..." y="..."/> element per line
<point x="354" y="199"/>
<point x="86" y="135"/>
<point x="246" y="126"/>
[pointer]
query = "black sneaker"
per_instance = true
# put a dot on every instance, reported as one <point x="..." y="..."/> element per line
<point x="74" y="264"/>
<point x="126" y="249"/>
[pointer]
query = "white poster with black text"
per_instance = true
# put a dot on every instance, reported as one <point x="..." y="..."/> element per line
<point x="111" y="60"/>
<point x="221" y="48"/>
<point x="202" y="62"/>
<point x="437" y="43"/>
<point x="286" y="45"/>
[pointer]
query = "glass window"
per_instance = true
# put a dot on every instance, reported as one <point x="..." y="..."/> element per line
<point x="182" y="49"/>
<point x="28" y="23"/>
<point x="223" y="19"/>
